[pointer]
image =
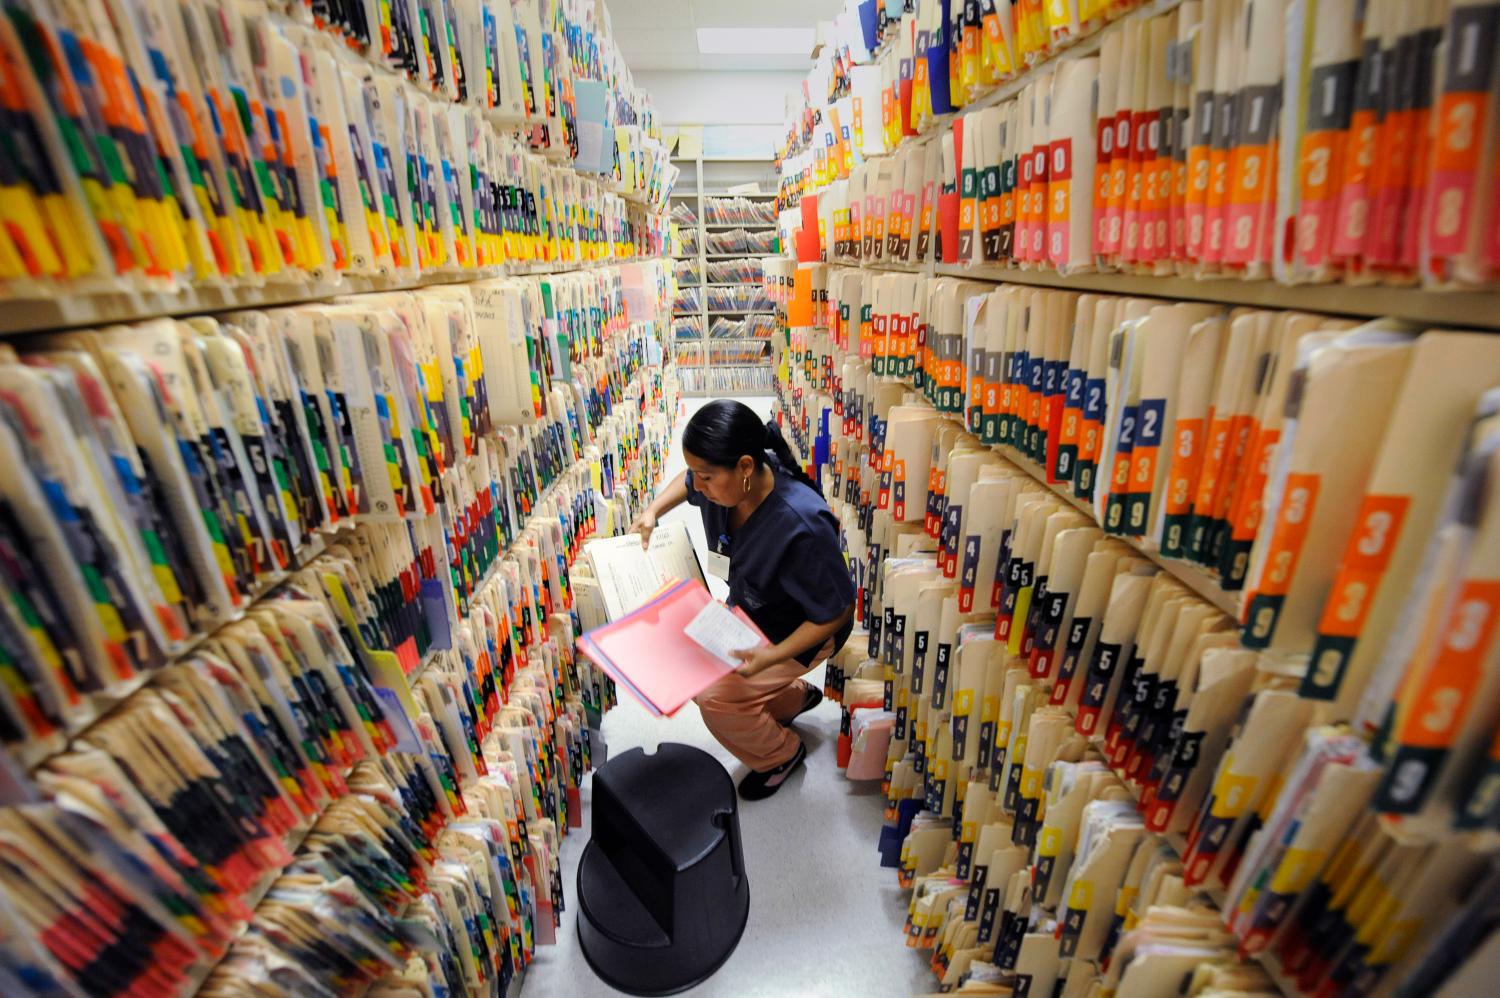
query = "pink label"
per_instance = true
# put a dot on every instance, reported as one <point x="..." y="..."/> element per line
<point x="1389" y="212"/>
<point x="1313" y="231"/>
<point x="1177" y="230"/>
<point x="1153" y="235"/>
<point x="1113" y="224"/>
<point x="1249" y="236"/>
<point x="1353" y="221"/>
<point x="1057" y="243"/>
<point x="1215" y="224"/>
<point x="1449" y="201"/>
<point x="1130" y="247"/>
<point x="1195" y="219"/>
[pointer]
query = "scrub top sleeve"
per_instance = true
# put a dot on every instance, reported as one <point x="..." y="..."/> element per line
<point x="815" y="574"/>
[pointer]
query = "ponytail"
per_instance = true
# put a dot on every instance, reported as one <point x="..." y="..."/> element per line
<point x="777" y="445"/>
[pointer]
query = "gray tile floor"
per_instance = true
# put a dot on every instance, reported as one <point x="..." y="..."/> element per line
<point x="825" y="918"/>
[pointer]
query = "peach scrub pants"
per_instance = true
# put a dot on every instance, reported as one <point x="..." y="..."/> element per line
<point x="746" y="714"/>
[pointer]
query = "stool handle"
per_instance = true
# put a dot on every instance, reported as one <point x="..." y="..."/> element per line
<point x="724" y="820"/>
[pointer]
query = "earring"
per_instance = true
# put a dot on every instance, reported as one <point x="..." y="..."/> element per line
<point x="747" y="483"/>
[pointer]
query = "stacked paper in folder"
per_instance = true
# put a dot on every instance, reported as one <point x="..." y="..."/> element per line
<point x="673" y="647"/>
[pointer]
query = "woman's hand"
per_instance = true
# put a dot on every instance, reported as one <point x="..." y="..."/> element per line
<point x="643" y="525"/>
<point x="754" y="661"/>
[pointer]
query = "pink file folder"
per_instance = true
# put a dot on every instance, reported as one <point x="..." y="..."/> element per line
<point x="647" y="652"/>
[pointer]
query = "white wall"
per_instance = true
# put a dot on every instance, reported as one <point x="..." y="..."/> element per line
<point x="695" y="97"/>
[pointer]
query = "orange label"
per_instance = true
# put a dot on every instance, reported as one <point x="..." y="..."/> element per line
<point x="1215" y="446"/>
<point x="1187" y="457"/>
<point x="1057" y="207"/>
<point x="1142" y="470"/>
<point x="1292" y="520"/>
<point x="1460" y="123"/>
<point x="1072" y="419"/>
<point x="1240" y="429"/>
<point x="1247" y="508"/>
<point x="1359" y="149"/>
<point x="1317" y="175"/>
<point x="1366" y="557"/>
<point x="1252" y="178"/>
<point x="1451" y="683"/>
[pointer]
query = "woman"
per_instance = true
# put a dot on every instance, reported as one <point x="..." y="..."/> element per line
<point x="768" y="525"/>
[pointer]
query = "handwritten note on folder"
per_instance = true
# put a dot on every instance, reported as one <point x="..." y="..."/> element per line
<point x="674" y="645"/>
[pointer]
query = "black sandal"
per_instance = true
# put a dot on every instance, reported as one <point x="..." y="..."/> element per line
<point x="759" y="786"/>
<point x="813" y="697"/>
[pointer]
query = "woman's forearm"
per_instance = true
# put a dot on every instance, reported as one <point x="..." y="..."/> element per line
<point x="674" y="494"/>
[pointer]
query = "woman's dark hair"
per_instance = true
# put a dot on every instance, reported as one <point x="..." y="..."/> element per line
<point x="723" y="431"/>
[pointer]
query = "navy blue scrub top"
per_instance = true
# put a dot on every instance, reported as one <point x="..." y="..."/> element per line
<point x="785" y="563"/>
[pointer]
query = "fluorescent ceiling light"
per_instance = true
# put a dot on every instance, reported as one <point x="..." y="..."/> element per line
<point x="755" y="41"/>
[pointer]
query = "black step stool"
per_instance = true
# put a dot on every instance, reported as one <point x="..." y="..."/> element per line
<point x="662" y="891"/>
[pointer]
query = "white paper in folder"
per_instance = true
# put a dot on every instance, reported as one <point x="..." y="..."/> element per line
<point x="629" y="575"/>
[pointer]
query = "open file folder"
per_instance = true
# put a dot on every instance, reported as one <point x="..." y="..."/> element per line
<point x="649" y="652"/>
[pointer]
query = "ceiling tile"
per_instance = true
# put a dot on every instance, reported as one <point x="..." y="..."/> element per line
<point x="657" y="35"/>
<point x="741" y="63"/>
<point x="646" y="40"/>
<point x="668" y="60"/>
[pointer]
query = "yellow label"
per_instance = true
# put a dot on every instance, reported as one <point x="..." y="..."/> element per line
<point x="1394" y="942"/>
<point x="1232" y="792"/>
<point x="1297" y="869"/>
<point x="1031" y="782"/>
<point x="1023" y="607"/>
<point x="1049" y="843"/>
<point x="1371" y="928"/>
<point x="1082" y="895"/>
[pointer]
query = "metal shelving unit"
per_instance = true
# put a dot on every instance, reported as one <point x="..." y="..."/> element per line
<point x="697" y="350"/>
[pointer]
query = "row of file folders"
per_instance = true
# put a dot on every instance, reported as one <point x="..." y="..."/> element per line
<point x="1081" y="748"/>
<point x="1302" y="465"/>
<point x="164" y="474"/>
<point x="1304" y="142"/>
<point x="157" y="144"/>
<point x="380" y="736"/>
<point x="395" y="827"/>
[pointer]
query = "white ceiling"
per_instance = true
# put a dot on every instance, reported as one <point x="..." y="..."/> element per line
<point x="662" y="34"/>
